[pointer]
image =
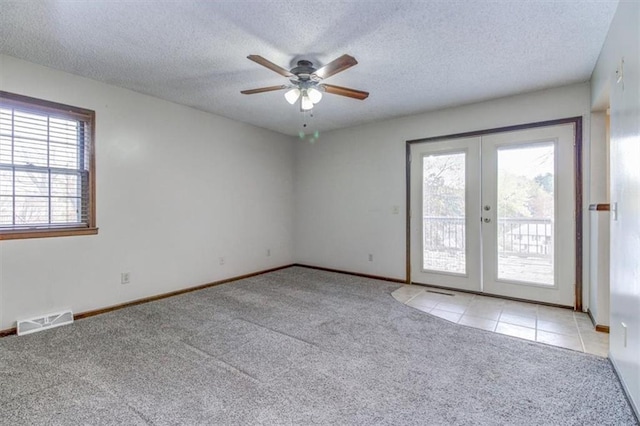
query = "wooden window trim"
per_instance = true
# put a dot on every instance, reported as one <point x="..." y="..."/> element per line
<point x="57" y="109"/>
<point x="46" y="233"/>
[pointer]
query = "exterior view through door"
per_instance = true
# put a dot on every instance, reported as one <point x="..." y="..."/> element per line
<point x="495" y="213"/>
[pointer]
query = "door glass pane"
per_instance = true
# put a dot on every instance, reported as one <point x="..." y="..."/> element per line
<point x="526" y="213"/>
<point x="443" y="212"/>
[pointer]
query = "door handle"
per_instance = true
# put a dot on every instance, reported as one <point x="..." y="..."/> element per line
<point x="487" y="220"/>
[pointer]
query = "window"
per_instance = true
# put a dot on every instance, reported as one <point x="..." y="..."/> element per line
<point x="47" y="172"/>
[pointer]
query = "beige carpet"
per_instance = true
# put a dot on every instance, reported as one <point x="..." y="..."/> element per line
<point x="297" y="346"/>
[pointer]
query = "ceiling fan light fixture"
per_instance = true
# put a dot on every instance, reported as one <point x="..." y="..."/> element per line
<point x="292" y="95"/>
<point x="305" y="103"/>
<point x="305" y="81"/>
<point x="314" y="94"/>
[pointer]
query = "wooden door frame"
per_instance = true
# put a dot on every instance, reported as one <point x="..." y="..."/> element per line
<point x="577" y="175"/>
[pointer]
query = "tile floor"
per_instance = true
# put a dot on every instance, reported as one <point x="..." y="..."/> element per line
<point x="539" y="323"/>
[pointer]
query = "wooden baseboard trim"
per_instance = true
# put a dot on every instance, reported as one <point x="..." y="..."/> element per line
<point x="598" y="327"/>
<point x="357" y="274"/>
<point x="95" y="312"/>
<point x="88" y="314"/>
<point x="8" y="332"/>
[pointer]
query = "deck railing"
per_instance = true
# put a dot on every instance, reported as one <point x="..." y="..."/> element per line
<point x="527" y="237"/>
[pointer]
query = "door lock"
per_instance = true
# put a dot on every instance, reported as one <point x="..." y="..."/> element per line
<point x="487" y="220"/>
<point x="487" y="207"/>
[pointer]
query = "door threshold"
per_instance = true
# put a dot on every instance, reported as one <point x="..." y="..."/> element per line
<point x="496" y="296"/>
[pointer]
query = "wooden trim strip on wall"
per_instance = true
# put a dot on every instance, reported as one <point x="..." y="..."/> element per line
<point x="94" y="312"/>
<point x="600" y="207"/>
<point x="577" y="169"/>
<point x="498" y="130"/>
<point x="408" y="215"/>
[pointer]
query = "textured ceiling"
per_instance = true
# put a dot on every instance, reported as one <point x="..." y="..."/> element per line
<point x="413" y="56"/>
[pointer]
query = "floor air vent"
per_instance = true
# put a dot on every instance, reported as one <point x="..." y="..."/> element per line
<point x="44" y="322"/>
<point x="440" y="292"/>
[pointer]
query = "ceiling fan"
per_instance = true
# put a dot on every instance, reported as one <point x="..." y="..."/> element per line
<point x="306" y="81"/>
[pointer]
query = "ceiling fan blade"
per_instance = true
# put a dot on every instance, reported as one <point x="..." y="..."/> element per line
<point x="345" y="91"/>
<point x="267" y="63"/>
<point x="335" y="66"/>
<point x="263" y="89"/>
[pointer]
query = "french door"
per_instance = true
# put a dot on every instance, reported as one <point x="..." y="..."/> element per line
<point x="495" y="214"/>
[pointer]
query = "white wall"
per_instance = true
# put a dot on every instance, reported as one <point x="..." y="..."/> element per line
<point x="176" y="189"/>
<point x="599" y="266"/>
<point x="599" y="220"/>
<point x="347" y="182"/>
<point x="623" y="41"/>
<point x="599" y="190"/>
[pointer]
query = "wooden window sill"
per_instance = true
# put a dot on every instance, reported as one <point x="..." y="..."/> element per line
<point x="46" y="233"/>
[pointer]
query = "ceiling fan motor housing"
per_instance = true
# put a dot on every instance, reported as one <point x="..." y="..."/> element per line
<point x="303" y="70"/>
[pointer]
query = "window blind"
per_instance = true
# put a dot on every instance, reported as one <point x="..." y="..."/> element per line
<point x="45" y="166"/>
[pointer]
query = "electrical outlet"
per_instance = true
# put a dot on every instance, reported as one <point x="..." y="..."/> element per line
<point x="268" y="252"/>
<point x="125" y="278"/>
<point x="395" y="210"/>
<point x="370" y="258"/>
<point x="221" y="260"/>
